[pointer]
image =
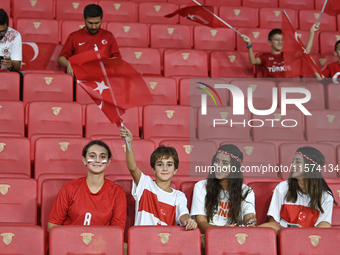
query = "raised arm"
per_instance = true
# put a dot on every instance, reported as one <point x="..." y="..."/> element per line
<point x="253" y="60"/>
<point x="130" y="156"/>
<point x="312" y="31"/>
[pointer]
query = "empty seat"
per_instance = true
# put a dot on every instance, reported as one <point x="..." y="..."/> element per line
<point x="333" y="96"/>
<point x="155" y="12"/>
<point x="336" y="217"/>
<point x="240" y="241"/>
<point x="71" y="10"/>
<point x="121" y="11"/>
<point x="38" y="30"/>
<point x="15" y="157"/>
<point x="297" y="5"/>
<point x="230" y="64"/>
<point x="44" y="9"/>
<point x="48" y="87"/>
<point x="163" y="240"/>
<point x="239" y="16"/>
<point x="144" y="60"/>
<point x="223" y="2"/>
<point x="272" y="17"/>
<point x="323" y="125"/>
<point x="170" y="36"/>
<point x="327" y="42"/>
<point x="22" y="239"/>
<point x="163" y="89"/>
<point x="185" y="62"/>
<point x="86" y="239"/>
<point x="308" y="17"/>
<point x="10" y="86"/>
<point x="335" y="187"/>
<point x="259" y="39"/>
<point x="12" y="118"/>
<point x="260" y="3"/>
<point x="130" y="34"/>
<point x="207" y="38"/>
<point x="69" y="26"/>
<point x="18" y="202"/>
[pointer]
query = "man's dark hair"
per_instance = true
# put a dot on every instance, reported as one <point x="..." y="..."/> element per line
<point x="336" y="45"/>
<point x="275" y="31"/>
<point x="93" y="10"/>
<point x="3" y="18"/>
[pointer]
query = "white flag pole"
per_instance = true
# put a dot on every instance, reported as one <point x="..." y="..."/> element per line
<point x="217" y="17"/>
<point x="323" y="9"/>
<point x="112" y="95"/>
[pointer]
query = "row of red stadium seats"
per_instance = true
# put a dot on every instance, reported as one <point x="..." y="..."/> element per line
<point x="168" y="239"/>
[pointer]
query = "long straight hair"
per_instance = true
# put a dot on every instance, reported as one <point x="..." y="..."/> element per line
<point x="315" y="183"/>
<point x="214" y="188"/>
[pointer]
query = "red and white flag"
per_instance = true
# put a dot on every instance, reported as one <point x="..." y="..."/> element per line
<point x="113" y="84"/>
<point x="333" y="7"/>
<point x="294" y="52"/>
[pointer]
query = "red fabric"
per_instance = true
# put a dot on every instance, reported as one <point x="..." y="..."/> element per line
<point x="299" y="214"/>
<point x="200" y="15"/>
<point x="123" y="87"/>
<point x="81" y="41"/>
<point x="36" y="55"/>
<point x="294" y="51"/>
<point x="332" y="8"/>
<point x="273" y="65"/>
<point x="165" y="212"/>
<point x="75" y="202"/>
<point x="331" y="70"/>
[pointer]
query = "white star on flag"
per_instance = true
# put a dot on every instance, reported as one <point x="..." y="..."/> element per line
<point x="101" y="87"/>
<point x="101" y="105"/>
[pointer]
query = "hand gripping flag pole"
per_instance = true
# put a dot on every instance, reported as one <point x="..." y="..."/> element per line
<point x="323" y="9"/>
<point x="112" y="95"/>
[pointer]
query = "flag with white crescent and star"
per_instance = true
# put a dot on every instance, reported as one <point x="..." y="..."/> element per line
<point x="113" y="84"/>
<point x="333" y="7"/>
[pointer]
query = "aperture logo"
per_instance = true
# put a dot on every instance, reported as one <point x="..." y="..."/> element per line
<point x="204" y="97"/>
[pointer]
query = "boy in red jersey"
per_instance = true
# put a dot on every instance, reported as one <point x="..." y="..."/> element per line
<point x="332" y="70"/>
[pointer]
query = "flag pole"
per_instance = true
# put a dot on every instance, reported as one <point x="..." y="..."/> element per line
<point x="112" y="95"/>
<point x="323" y="9"/>
<point x="217" y="17"/>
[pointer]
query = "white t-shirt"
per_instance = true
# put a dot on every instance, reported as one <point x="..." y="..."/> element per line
<point x="220" y="217"/>
<point x="298" y="213"/>
<point x="155" y="206"/>
<point x="12" y="42"/>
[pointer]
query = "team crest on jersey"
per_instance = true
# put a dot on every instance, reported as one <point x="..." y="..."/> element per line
<point x="163" y="211"/>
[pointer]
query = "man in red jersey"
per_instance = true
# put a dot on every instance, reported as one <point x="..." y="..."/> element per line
<point x="84" y="39"/>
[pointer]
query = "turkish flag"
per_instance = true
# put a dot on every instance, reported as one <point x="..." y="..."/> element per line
<point x="37" y="56"/>
<point x="199" y="14"/>
<point x="297" y="60"/>
<point x="332" y="7"/>
<point x="113" y="84"/>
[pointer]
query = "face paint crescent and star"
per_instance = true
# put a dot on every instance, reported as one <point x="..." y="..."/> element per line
<point x="89" y="161"/>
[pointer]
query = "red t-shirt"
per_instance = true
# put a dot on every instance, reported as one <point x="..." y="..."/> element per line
<point x="273" y="65"/>
<point x="332" y="70"/>
<point x="81" y="41"/>
<point x="77" y="205"/>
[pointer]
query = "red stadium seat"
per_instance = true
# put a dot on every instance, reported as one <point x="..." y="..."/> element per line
<point x="272" y="17"/>
<point x="154" y="13"/>
<point x="48" y="87"/>
<point x="130" y="34"/>
<point x="327" y="42"/>
<point x="304" y="35"/>
<point x="308" y="17"/>
<point x="15" y="157"/>
<point x="333" y="96"/>
<point x="97" y="125"/>
<point x="32" y="9"/>
<point x="240" y="241"/>
<point x="71" y="10"/>
<point x="156" y="1"/>
<point x="207" y="38"/>
<point x="121" y="11"/>
<point x="83" y="98"/>
<point x="294" y="241"/>
<point x="336" y="217"/>
<point x="319" y="4"/>
<point x="287" y="152"/>
<point x="239" y="16"/>
<point x="163" y="240"/>
<point x="185" y="62"/>
<point x="279" y="127"/>
<point x="170" y="36"/>
<point x="12" y="118"/>
<point x="262" y="92"/>
<point x="297" y="5"/>
<point x="6" y="5"/>
<point x="317" y="101"/>
<point x="142" y="148"/>
<point x="18" y="200"/>
<point x="223" y="2"/>
<point x="259" y="39"/>
<point x="69" y="26"/>
<point x="86" y="239"/>
<point x="188" y="189"/>
<point x="322" y="60"/>
<point x="231" y="64"/>
<point x="335" y="187"/>
<point x="144" y="60"/>
<point x="10" y="86"/>
<point x="323" y="125"/>
<point x="260" y="3"/>
<point x="263" y="195"/>
<point x="22" y="239"/>
<point x="38" y="30"/>
<point x="163" y="89"/>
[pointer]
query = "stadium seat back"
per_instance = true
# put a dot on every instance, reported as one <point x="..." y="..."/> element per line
<point x="154" y="13"/>
<point x="272" y="17"/>
<point x="119" y="11"/>
<point x="10" y="86"/>
<point x="38" y="30"/>
<point x="240" y="16"/>
<point x="170" y="36"/>
<point x="71" y="10"/>
<point x="130" y="34"/>
<point x="207" y="38"/>
<point x="12" y="118"/>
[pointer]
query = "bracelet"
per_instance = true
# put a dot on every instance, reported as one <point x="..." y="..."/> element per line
<point x="249" y="46"/>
